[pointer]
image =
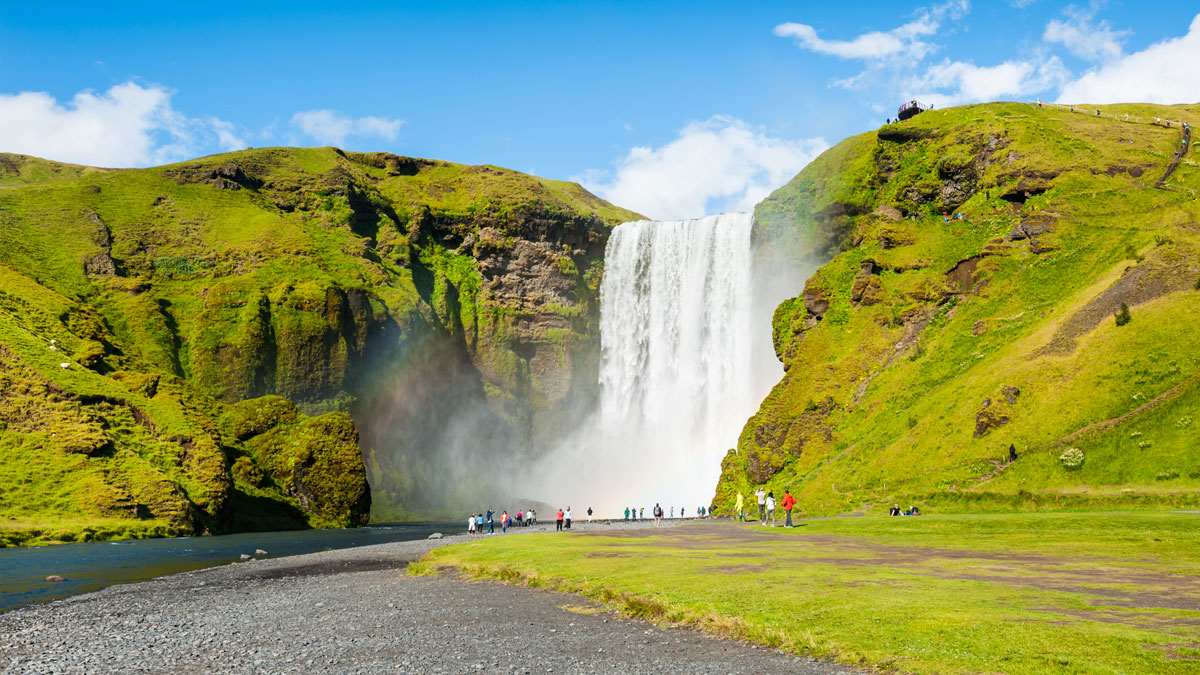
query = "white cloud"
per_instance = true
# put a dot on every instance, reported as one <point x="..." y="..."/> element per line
<point x="331" y="127"/>
<point x="955" y="82"/>
<point x="128" y="125"/>
<point x="721" y="164"/>
<point x="900" y="42"/>
<point x="227" y="136"/>
<point x="874" y="45"/>
<point x="1092" y="42"/>
<point x="1164" y="72"/>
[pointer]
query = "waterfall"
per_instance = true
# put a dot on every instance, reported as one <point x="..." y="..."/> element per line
<point x="678" y="374"/>
<point x="675" y="328"/>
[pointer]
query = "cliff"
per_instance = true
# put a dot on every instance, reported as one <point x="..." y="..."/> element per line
<point x="924" y="346"/>
<point x="198" y="347"/>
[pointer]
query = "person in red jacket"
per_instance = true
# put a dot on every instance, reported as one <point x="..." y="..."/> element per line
<point x="559" y="520"/>
<point x="788" y="502"/>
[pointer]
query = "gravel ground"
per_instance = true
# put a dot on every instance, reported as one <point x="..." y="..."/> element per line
<point x="355" y="611"/>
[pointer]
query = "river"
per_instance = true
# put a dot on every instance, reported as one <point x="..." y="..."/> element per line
<point x="94" y="565"/>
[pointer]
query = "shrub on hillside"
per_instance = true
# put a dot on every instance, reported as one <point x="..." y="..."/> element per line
<point x="1122" y="316"/>
<point x="1169" y="474"/>
<point x="1072" y="458"/>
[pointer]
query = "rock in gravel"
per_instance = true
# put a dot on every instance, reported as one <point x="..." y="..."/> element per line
<point x="436" y="535"/>
<point x="246" y="556"/>
<point x="260" y="552"/>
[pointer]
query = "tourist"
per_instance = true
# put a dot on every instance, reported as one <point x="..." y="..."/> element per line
<point x="1012" y="453"/>
<point x="658" y="512"/>
<point x="589" y="514"/>
<point x="633" y="513"/>
<point x="788" y="502"/>
<point x="762" y="505"/>
<point x="471" y="524"/>
<point x="771" y="508"/>
<point x="491" y="526"/>
<point x="916" y="511"/>
<point x="641" y="513"/>
<point x="532" y="517"/>
<point x="504" y="522"/>
<point x="518" y="517"/>
<point x="894" y="511"/>
<point x="559" y="521"/>
<point x="672" y="511"/>
<point x="741" y="516"/>
<point x="627" y="514"/>
<point x="479" y="523"/>
<point x="568" y="518"/>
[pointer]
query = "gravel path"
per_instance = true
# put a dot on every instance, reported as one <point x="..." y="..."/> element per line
<point x="355" y="611"/>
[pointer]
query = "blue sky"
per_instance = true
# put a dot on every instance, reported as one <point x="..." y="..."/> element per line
<point x="674" y="109"/>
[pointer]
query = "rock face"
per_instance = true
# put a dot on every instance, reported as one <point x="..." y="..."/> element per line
<point x="243" y="330"/>
<point x="921" y="346"/>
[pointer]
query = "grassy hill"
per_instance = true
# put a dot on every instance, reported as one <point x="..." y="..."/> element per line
<point x="222" y="320"/>
<point x="923" y="347"/>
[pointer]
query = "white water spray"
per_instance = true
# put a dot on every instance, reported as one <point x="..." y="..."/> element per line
<point x="678" y="376"/>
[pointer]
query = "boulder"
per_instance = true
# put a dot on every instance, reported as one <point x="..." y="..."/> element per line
<point x="436" y="535"/>
<point x="54" y="578"/>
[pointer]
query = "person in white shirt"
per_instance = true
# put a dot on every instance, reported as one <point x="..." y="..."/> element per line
<point x="762" y="509"/>
<point x="567" y="516"/>
<point x="771" y="508"/>
<point x="471" y="524"/>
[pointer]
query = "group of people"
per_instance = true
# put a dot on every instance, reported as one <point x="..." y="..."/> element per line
<point x="766" y="506"/>
<point x="634" y="514"/>
<point x="896" y="511"/>
<point x="477" y="521"/>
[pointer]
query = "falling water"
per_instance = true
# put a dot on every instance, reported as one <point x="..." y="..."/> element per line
<point x="675" y="326"/>
<point x="677" y="375"/>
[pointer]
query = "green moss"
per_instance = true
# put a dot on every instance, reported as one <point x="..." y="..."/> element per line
<point x="968" y="308"/>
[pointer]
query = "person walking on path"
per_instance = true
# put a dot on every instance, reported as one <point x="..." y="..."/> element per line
<point x="589" y="514"/>
<point x="559" y="520"/>
<point x="568" y="517"/>
<point x="738" y="507"/>
<point x="762" y="505"/>
<point x="788" y="502"/>
<point x="770" y="508"/>
<point x="491" y="525"/>
<point x="471" y="524"/>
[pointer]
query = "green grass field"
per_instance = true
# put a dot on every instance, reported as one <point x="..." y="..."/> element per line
<point x="1016" y="593"/>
